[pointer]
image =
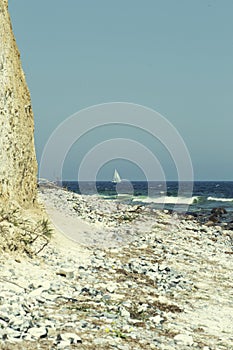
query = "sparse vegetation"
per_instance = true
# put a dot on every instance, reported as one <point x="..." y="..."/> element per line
<point x="20" y="234"/>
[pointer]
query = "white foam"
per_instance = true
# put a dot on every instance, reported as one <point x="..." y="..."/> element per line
<point x="220" y="199"/>
<point x="167" y="200"/>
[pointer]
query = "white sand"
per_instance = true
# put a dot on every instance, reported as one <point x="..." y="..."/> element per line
<point x="74" y="229"/>
<point x="76" y="226"/>
<point x="177" y="263"/>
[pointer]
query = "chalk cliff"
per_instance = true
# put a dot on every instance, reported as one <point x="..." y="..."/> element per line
<point x="18" y="165"/>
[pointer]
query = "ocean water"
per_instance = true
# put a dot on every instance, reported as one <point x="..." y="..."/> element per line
<point x="203" y="196"/>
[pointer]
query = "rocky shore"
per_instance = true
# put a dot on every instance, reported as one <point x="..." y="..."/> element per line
<point x="130" y="278"/>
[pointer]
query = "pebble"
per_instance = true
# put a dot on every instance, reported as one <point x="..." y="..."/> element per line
<point x="157" y="319"/>
<point x="66" y="272"/>
<point x="37" y="332"/>
<point x="124" y="297"/>
<point x="124" y="313"/>
<point x="184" y="339"/>
<point x="70" y="337"/>
<point x="111" y="288"/>
<point x="36" y="292"/>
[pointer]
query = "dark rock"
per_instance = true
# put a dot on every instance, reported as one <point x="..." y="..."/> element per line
<point x="218" y="211"/>
<point x="213" y="218"/>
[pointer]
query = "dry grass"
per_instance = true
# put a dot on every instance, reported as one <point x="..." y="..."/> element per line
<point x="23" y="235"/>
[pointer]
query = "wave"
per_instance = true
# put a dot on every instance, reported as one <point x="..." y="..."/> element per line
<point x="220" y="199"/>
<point x="167" y="200"/>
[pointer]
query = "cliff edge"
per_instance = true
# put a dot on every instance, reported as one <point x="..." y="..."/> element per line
<point x="18" y="165"/>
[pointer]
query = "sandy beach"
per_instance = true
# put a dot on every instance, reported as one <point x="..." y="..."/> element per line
<point x="116" y="276"/>
<point x="95" y="222"/>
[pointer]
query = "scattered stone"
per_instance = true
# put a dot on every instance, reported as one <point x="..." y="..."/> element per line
<point x="138" y="296"/>
<point x="66" y="272"/>
<point x="184" y="339"/>
<point x="157" y="319"/>
<point x="72" y="338"/>
<point x="111" y="288"/>
<point x="38" y="332"/>
<point x="124" y="312"/>
<point x="36" y="292"/>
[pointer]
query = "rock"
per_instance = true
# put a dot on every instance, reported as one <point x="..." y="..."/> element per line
<point x="109" y="315"/>
<point x="156" y="319"/>
<point x="164" y="267"/>
<point x="37" y="332"/>
<point x="184" y="339"/>
<point x="114" y="285"/>
<point x="127" y="303"/>
<point x="66" y="272"/>
<point x="210" y="223"/>
<point x="72" y="338"/>
<point x="64" y="344"/>
<point x="50" y="297"/>
<point x="124" y="313"/>
<point x="11" y="333"/>
<point x="213" y="218"/>
<point x="18" y="165"/>
<point x="4" y="316"/>
<point x="111" y="288"/>
<point x="36" y="292"/>
<point x="18" y="323"/>
<point x="123" y="347"/>
<point x="142" y="308"/>
<point x="3" y="324"/>
<point x="218" y="211"/>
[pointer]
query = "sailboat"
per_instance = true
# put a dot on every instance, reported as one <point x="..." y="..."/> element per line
<point x="116" y="177"/>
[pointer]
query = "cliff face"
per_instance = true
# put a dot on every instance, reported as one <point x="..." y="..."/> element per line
<point x="18" y="166"/>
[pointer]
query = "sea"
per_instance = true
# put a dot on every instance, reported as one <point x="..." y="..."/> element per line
<point x="196" y="197"/>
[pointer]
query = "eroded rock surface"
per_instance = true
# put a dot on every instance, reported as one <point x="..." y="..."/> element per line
<point x="18" y="166"/>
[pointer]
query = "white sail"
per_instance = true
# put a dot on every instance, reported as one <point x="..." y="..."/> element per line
<point x="116" y="177"/>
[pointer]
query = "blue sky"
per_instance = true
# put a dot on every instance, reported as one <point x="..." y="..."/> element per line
<point x="174" y="56"/>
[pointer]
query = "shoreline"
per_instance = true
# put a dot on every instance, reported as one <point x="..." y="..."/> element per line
<point x="166" y="285"/>
<point x="95" y="222"/>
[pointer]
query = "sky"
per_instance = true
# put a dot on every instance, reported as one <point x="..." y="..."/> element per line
<point x="172" y="56"/>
